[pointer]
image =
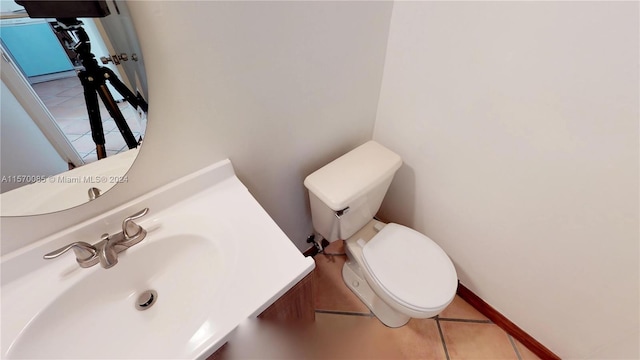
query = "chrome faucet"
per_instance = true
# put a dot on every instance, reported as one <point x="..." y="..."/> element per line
<point x="94" y="192"/>
<point x="106" y="250"/>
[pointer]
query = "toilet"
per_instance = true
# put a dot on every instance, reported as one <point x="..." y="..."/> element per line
<point x="396" y="271"/>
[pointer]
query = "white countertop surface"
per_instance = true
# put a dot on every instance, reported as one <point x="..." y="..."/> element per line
<point x="260" y="264"/>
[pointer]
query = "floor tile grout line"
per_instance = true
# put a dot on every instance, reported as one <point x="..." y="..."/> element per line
<point x="515" y="348"/>
<point x="336" y="312"/>
<point x="466" y="320"/>
<point x="444" y="344"/>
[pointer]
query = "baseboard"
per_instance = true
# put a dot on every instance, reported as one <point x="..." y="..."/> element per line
<point x="506" y="325"/>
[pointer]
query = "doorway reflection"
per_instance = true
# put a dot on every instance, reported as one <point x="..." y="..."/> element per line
<point x="64" y="99"/>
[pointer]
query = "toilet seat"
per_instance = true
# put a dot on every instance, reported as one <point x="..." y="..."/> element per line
<point x="410" y="268"/>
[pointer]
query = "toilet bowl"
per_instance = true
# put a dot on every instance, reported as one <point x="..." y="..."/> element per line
<point x="397" y="272"/>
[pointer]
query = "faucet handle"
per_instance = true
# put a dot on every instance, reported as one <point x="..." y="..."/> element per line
<point x="129" y="224"/>
<point x="86" y="254"/>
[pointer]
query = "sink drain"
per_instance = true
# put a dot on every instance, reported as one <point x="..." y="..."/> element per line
<point x="146" y="300"/>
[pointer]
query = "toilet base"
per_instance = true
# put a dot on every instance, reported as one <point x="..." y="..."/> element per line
<point x="352" y="275"/>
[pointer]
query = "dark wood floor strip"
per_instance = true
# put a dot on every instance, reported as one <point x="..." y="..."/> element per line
<point x="512" y="329"/>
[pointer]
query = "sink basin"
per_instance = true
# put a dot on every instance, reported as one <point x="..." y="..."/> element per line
<point x="206" y="267"/>
<point x="102" y="304"/>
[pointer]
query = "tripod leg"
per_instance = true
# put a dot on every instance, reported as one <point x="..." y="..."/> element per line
<point x="91" y="100"/>
<point x="115" y="113"/>
<point x="124" y="91"/>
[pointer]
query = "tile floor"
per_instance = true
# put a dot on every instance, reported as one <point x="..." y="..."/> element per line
<point x="65" y="100"/>
<point x="459" y="332"/>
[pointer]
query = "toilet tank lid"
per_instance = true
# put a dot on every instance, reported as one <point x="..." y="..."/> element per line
<point x="353" y="174"/>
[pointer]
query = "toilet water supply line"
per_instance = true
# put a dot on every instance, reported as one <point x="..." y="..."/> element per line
<point x="318" y="245"/>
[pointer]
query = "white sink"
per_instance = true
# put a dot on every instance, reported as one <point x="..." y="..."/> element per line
<point x="190" y="258"/>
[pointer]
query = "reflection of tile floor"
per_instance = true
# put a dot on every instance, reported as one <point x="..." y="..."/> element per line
<point x="65" y="100"/>
<point x="459" y="332"/>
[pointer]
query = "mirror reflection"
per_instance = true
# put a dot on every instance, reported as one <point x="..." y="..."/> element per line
<point x="73" y="102"/>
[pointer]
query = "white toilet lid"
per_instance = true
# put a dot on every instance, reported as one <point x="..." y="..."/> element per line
<point x="410" y="268"/>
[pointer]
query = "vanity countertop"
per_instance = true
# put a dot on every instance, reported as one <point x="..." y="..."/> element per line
<point x="252" y="264"/>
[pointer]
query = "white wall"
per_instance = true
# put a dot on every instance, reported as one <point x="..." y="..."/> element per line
<point x="518" y="125"/>
<point x="24" y="150"/>
<point x="278" y="87"/>
<point x="281" y="88"/>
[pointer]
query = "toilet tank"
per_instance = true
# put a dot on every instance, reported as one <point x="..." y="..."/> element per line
<point x="347" y="193"/>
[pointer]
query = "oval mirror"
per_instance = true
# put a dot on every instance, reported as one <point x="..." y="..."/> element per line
<point x="74" y="105"/>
